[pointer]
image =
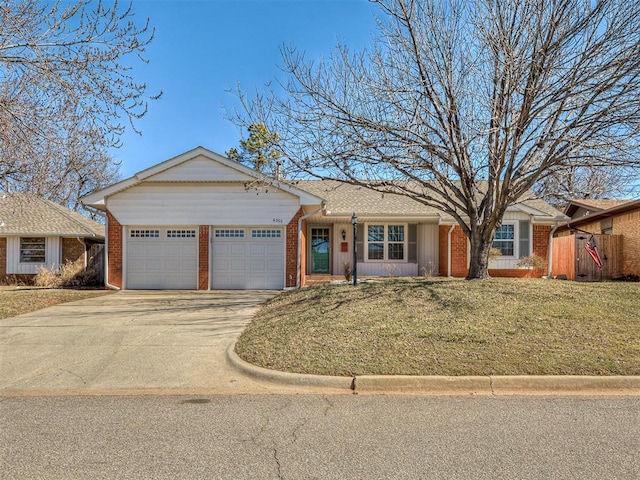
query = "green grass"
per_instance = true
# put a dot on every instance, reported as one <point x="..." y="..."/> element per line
<point x="450" y="327"/>
<point x="16" y="300"/>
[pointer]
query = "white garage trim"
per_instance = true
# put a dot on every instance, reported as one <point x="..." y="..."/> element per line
<point x="161" y="257"/>
<point x="247" y="258"/>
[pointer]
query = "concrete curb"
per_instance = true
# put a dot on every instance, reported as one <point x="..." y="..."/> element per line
<point x="448" y="385"/>
<point x="339" y="383"/>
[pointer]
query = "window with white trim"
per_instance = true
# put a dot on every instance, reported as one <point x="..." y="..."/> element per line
<point x="266" y="233"/>
<point x="228" y="233"/>
<point x="32" y="250"/>
<point x="504" y="239"/>
<point x="138" y="233"/>
<point x="181" y="234"/>
<point x="386" y="243"/>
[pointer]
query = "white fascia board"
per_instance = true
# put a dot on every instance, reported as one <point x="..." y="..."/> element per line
<point x="97" y="198"/>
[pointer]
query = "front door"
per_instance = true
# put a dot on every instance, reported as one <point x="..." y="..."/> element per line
<point x="320" y="249"/>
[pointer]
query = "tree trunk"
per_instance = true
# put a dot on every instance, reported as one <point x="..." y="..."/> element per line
<point x="480" y="244"/>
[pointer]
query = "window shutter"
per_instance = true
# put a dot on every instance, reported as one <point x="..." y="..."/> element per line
<point x="413" y="243"/>
<point x="525" y="241"/>
<point x="360" y="242"/>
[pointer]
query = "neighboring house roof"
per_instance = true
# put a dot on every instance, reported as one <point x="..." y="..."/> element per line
<point x="592" y="205"/>
<point x="626" y="206"/>
<point x="97" y="198"/>
<point x="343" y="199"/>
<point x="29" y="214"/>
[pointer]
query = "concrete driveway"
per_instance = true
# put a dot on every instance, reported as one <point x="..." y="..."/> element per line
<point x="130" y="342"/>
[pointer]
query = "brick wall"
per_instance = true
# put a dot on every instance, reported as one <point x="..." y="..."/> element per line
<point x="628" y="225"/>
<point x="458" y="253"/>
<point x="72" y="251"/>
<point x="114" y="267"/>
<point x="3" y="259"/>
<point x="443" y="245"/>
<point x="303" y="255"/>
<point x="459" y="249"/>
<point x="203" y="258"/>
<point x="291" y="241"/>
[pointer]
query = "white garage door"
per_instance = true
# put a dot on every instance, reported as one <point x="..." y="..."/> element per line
<point x="162" y="258"/>
<point x="248" y="258"/>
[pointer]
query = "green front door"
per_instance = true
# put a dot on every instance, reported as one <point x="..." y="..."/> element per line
<point x="320" y="249"/>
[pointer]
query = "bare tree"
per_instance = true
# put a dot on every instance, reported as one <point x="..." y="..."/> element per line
<point x="465" y="104"/>
<point x="587" y="181"/>
<point x="67" y="93"/>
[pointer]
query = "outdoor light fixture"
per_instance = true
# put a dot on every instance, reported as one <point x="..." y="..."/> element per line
<point x="344" y="234"/>
<point x="354" y="222"/>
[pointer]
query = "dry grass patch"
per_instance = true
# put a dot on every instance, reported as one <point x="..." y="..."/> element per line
<point x="450" y="327"/>
<point x="16" y="300"/>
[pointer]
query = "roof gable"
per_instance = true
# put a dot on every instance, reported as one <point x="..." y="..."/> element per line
<point x="197" y="165"/>
<point x="28" y="214"/>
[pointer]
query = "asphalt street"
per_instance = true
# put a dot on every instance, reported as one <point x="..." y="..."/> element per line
<point x="319" y="437"/>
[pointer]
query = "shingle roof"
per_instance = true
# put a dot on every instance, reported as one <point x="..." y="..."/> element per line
<point x="593" y="204"/>
<point x="344" y="199"/>
<point x="28" y="214"/>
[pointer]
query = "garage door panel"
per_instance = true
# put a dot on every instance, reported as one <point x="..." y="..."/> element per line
<point x="249" y="262"/>
<point x="162" y="261"/>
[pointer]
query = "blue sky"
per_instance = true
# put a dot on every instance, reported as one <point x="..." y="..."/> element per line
<point x="204" y="48"/>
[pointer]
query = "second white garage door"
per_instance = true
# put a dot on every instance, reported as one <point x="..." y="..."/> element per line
<point x="248" y="258"/>
<point x="162" y="258"/>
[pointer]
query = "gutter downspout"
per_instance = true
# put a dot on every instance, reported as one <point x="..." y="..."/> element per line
<point x="449" y="250"/>
<point x="322" y="208"/>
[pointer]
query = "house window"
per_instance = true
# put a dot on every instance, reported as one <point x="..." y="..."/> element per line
<point x="32" y="250"/>
<point x="386" y="242"/>
<point x="504" y="240"/>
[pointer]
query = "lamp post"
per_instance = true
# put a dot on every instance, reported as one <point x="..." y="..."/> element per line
<point x="354" y="222"/>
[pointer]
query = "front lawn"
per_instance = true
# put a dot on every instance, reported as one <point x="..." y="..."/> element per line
<point x="16" y="300"/>
<point x="429" y="326"/>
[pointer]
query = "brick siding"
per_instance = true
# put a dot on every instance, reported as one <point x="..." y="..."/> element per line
<point x="628" y="225"/>
<point x="291" y="269"/>
<point x="114" y="267"/>
<point x="458" y="253"/>
<point x="203" y="258"/>
<point x="443" y="245"/>
<point x="72" y="251"/>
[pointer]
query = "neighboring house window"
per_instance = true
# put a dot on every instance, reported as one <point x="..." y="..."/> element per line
<point x="505" y="240"/>
<point x="386" y="242"/>
<point x="32" y="250"/>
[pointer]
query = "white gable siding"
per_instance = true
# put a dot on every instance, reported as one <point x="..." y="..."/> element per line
<point x="201" y="169"/>
<point x="201" y="204"/>
<point x="14" y="267"/>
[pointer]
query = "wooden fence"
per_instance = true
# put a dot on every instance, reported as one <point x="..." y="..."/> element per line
<point x="95" y="259"/>
<point x="571" y="259"/>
